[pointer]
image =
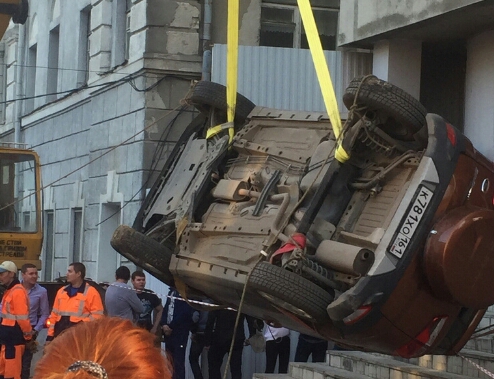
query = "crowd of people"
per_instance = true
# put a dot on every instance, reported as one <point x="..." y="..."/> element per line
<point x="82" y="342"/>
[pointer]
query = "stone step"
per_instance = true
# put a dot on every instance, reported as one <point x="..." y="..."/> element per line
<point x="458" y="365"/>
<point x="482" y="344"/>
<point x="484" y="360"/>
<point x="386" y="367"/>
<point x="271" y="376"/>
<point x="321" y="371"/>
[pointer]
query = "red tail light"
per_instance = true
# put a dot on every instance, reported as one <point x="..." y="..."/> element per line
<point x="451" y="134"/>
<point x="423" y="340"/>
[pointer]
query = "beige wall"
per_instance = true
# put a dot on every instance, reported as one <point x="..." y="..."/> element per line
<point x="479" y="93"/>
<point x="399" y="62"/>
<point x="360" y="19"/>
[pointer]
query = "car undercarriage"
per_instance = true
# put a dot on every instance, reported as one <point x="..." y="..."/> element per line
<point x="354" y="251"/>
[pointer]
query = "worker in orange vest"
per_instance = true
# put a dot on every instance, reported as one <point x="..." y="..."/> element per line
<point x="74" y="303"/>
<point x="15" y="328"/>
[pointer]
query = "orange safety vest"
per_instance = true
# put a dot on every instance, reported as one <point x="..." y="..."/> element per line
<point x="84" y="306"/>
<point x="15" y="309"/>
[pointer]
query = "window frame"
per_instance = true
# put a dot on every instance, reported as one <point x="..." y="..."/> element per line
<point x="77" y="236"/>
<point x="84" y="53"/>
<point x="119" y="29"/>
<point x="53" y="64"/>
<point x="30" y="78"/>
<point x="49" y="244"/>
<point x="3" y="84"/>
<point x="128" y="8"/>
<point x="297" y="20"/>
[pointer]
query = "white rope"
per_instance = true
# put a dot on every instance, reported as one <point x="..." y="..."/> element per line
<point x="170" y="297"/>
<point x="485" y="371"/>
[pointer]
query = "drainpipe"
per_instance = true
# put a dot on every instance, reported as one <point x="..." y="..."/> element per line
<point x="206" y="55"/>
<point x="18" y="74"/>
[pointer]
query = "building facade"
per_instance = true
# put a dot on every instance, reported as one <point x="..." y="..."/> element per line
<point x="94" y="86"/>
<point x="440" y="51"/>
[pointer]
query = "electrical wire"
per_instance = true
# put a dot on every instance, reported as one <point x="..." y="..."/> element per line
<point x="133" y="85"/>
<point x="154" y="162"/>
<point x="57" y="68"/>
<point x="111" y="71"/>
<point x="93" y="160"/>
<point x="128" y="79"/>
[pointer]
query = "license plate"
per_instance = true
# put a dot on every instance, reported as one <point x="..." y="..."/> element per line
<point x="412" y="220"/>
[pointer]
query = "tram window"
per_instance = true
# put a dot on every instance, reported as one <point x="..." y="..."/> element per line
<point x="5" y="174"/>
<point x="17" y="184"/>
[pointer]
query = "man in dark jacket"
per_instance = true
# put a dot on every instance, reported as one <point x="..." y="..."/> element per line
<point x="308" y="345"/>
<point x="218" y="335"/>
<point x="197" y="342"/>
<point x="176" y="322"/>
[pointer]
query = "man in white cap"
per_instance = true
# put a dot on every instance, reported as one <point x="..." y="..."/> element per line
<point x="15" y="328"/>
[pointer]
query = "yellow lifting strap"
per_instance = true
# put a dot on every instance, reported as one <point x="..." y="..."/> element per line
<point x="323" y="76"/>
<point x="212" y="131"/>
<point x="231" y="72"/>
<point x="232" y="63"/>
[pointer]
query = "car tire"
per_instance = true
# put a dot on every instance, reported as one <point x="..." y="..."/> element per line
<point x="207" y="95"/>
<point x="290" y="291"/>
<point x="144" y="252"/>
<point x="406" y="114"/>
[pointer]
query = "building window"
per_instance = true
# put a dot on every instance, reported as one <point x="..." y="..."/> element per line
<point x="281" y="26"/>
<point x="119" y="30"/>
<point x="110" y="218"/>
<point x="27" y="221"/>
<point x="77" y="233"/>
<point x="48" y="244"/>
<point x="3" y="73"/>
<point x="52" y="76"/>
<point x="31" y="77"/>
<point x="128" y="6"/>
<point x="84" y="47"/>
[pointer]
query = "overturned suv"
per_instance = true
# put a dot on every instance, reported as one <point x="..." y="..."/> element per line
<point x="388" y="251"/>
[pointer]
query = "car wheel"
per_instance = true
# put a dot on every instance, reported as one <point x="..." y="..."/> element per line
<point x="207" y="95"/>
<point x="290" y="291"/>
<point x="144" y="252"/>
<point x="404" y="114"/>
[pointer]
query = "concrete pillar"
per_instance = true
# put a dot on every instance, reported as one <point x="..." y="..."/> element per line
<point x="479" y="93"/>
<point x="399" y="62"/>
<point x="101" y="38"/>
